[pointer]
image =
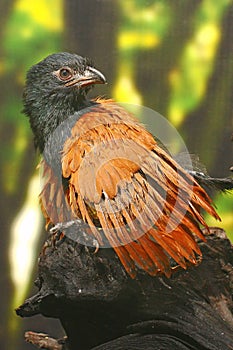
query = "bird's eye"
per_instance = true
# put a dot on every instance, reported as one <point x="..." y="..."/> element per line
<point x="65" y="73"/>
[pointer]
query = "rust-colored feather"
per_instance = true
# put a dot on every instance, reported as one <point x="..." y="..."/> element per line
<point x="121" y="180"/>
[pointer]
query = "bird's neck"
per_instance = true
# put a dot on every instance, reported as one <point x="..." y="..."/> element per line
<point x="46" y="115"/>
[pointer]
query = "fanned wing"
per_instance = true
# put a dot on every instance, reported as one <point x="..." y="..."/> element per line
<point x="146" y="204"/>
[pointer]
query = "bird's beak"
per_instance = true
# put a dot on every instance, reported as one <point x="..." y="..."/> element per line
<point x="90" y="76"/>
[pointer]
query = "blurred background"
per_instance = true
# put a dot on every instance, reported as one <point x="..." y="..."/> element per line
<point x="172" y="56"/>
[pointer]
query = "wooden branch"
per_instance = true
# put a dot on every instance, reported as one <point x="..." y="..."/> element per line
<point x="102" y="308"/>
<point x="43" y="341"/>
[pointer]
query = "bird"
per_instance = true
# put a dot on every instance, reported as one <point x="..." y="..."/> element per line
<point x="102" y="167"/>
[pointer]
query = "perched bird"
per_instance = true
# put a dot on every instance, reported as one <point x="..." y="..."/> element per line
<point x="102" y="166"/>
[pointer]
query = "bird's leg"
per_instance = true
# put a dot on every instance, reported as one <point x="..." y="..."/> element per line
<point x="61" y="226"/>
<point x="58" y="231"/>
<point x="79" y="225"/>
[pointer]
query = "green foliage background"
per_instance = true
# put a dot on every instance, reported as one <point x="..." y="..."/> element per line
<point x="172" y="56"/>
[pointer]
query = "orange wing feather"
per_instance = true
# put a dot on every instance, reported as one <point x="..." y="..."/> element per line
<point x="147" y="205"/>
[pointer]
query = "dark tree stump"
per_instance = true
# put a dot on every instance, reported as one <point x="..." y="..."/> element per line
<point x="101" y="307"/>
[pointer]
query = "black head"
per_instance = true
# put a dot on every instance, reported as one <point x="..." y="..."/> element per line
<point x="55" y="88"/>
